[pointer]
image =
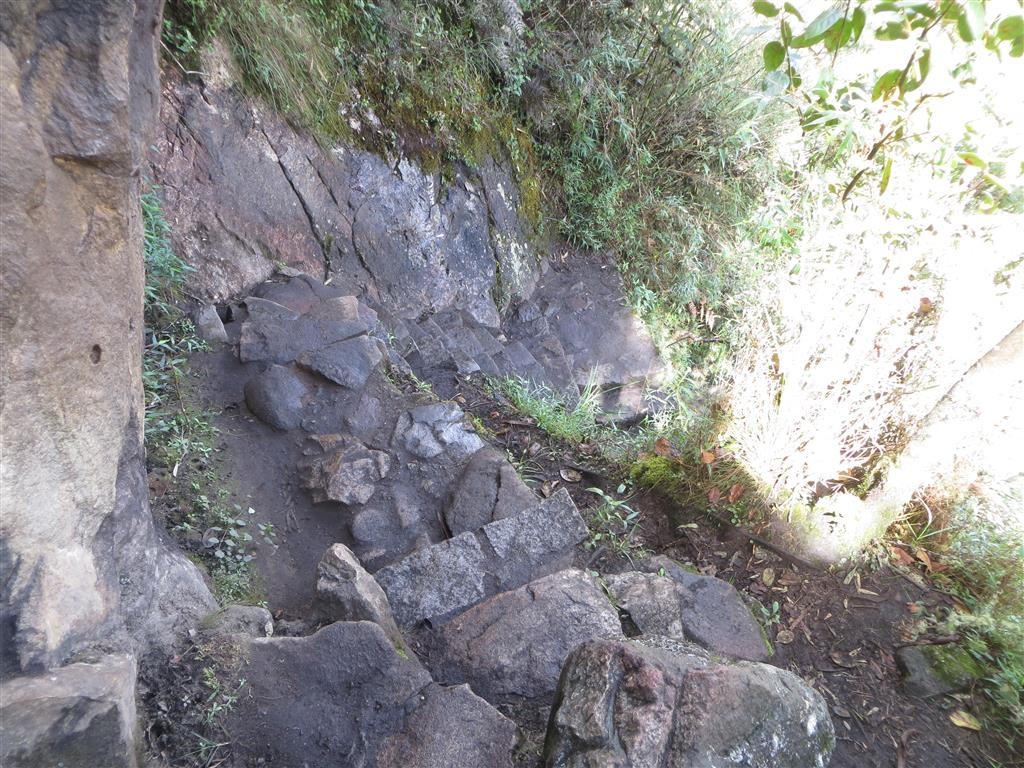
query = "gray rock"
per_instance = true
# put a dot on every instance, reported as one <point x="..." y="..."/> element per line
<point x="371" y="525"/>
<point x="235" y="621"/>
<point x="276" y="396"/>
<point x="436" y="582"/>
<point x="919" y="676"/>
<point x="451" y="728"/>
<point x="348" y="363"/>
<point x="277" y="334"/>
<point x="515" y="643"/>
<point x="428" y="430"/>
<point x="329" y="699"/>
<point x="208" y="324"/>
<point x="683" y="605"/>
<point x="365" y="417"/>
<point x="536" y="542"/>
<point x="349" y="593"/>
<point x="348" y="472"/>
<point x="626" y="704"/>
<point x="78" y="715"/>
<point x="489" y="489"/>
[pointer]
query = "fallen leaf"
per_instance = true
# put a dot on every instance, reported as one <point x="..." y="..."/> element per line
<point x="570" y="475"/>
<point x="768" y="576"/>
<point x="546" y="488"/>
<point x="923" y="556"/>
<point x="902" y="555"/>
<point x="784" y="637"/>
<point x="842" y="661"/>
<point x="926" y="306"/>
<point x="533" y="450"/>
<point x="841" y="711"/>
<point x="964" y="719"/>
<point x="663" y="448"/>
<point x="707" y="457"/>
<point x="735" y="492"/>
<point x="714" y="496"/>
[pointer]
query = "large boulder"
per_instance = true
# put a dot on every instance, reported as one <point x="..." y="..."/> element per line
<point x="515" y="643"/>
<point x="82" y="558"/>
<point x="688" y="606"/>
<point x="629" y="705"/>
<point x="276" y="396"/>
<point x="346" y="696"/>
<point x="349" y="593"/>
<point x="80" y="715"/>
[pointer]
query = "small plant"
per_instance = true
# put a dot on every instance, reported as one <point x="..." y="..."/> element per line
<point x="771" y="616"/>
<point x="221" y="699"/>
<point x="612" y="524"/>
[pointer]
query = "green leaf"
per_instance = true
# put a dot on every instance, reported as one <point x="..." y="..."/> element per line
<point x="971" y="24"/>
<point x="785" y="32"/>
<point x="894" y="30"/>
<point x="886" y="83"/>
<point x="1010" y="28"/>
<point x="774" y="54"/>
<point x="973" y="159"/>
<point x="886" y="173"/>
<point x="822" y="24"/>
<point x="858" y="21"/>
<point x="764" y="8"/>
<point x="791" y="9"/>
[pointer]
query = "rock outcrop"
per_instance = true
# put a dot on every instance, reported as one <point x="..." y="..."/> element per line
<point x="83" y="561"/>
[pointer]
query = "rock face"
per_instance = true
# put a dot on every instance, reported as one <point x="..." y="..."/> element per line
<point x="515" y="643"/>
<point x="344" y="696"/>
<point x="389" y="229"/>
<point x="628" y="705"/>
<point x="79" y="715"/>
<point x="351" y="594"/>
<point x="82" y="559"/>
<point x="686" y="606"/>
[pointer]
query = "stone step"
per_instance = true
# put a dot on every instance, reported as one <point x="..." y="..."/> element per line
<point x="439" y="582"/>
<point x="487" y="365"/>
<point x="462" y="339"/>
<point x="487" y="341"/>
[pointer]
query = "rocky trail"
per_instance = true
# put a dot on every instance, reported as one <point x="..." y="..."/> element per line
<point x="414" y="570"/>
<point x="423" y="603"/>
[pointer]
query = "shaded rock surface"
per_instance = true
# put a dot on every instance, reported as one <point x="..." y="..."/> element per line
<point x="488" y="489"/>
<point x="349" y="593"/>
<point x="687" y="606"/>
<point x="344" y="696"/>
<point x="625" y="704"/>
<point x="515" y="643"/>
<point x="276" y="396"/>
<point x="78" y="715"/>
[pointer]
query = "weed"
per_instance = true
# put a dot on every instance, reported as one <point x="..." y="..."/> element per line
<point x="612" y="524"/>
<point x="179" y="434"/>
<point x="771" y="616"/>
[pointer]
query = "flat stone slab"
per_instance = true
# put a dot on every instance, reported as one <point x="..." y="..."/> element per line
<point x="278" y="334"/>
<point x="673" y="602"/>
<point x="437" y="582"/>
<point x="348" y="363"/>
<point x="515" y="643"/>
<point x="78" y="715"/>
<point x="535" y="542"/>
<point x="623" y="703"/>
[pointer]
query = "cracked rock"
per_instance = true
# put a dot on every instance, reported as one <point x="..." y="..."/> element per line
<point x="348" y="363"/>
<point x="515" y="643"/>
<point x="348" y="472"/>
<point x="429" y="430"/>
<point x="489" y="489"/>
<point x="620" y="703"/>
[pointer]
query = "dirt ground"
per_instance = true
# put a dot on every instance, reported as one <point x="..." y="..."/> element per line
<point x="838" y="631"/>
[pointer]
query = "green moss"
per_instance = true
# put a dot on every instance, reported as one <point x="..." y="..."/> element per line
<point x="954" y="664"/>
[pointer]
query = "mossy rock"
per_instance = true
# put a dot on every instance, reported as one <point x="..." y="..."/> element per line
<point x="954" y="664"/>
